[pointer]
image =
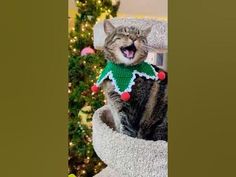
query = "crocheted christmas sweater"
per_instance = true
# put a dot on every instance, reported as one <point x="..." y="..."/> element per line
<point x="123" y="76"/>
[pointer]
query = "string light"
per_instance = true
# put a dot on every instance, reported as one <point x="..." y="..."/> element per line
<point x="82" y="31"/>
<point x="83" y="172"/>
<point x="86" y="160"/>
<point x="98" y="19"/>
<point x="82" y="27"/>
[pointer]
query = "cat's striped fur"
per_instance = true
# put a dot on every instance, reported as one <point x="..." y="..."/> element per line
<point x="145" y="114"/>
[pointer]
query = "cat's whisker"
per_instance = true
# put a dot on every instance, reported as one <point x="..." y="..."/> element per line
<point x="153" y="49"/>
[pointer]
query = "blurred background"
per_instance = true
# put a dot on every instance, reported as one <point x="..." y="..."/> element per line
<point x="84" y="66"/>
<point x="132" y="8"/>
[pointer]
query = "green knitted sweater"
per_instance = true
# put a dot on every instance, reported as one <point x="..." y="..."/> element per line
<point x="123" y="76"/>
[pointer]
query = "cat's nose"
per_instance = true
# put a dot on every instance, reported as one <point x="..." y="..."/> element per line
<point x="133" y="38"/>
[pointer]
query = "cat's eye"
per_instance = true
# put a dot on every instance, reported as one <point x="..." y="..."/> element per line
<point x="116" y="38"/>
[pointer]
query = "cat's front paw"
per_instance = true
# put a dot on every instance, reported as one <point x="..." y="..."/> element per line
<point x="126" y="127"/>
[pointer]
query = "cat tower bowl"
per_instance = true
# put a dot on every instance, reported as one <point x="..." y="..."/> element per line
<point x="127" y="156"/>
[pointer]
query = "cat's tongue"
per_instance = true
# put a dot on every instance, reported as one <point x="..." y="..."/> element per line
<point x="129" y="53"/>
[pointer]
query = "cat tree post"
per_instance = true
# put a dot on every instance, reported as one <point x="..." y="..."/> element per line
<point x="126" y="156"/>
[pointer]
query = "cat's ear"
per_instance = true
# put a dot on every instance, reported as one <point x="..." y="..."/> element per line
<point x="108" y="27"/>
<point x="147" y="31"/>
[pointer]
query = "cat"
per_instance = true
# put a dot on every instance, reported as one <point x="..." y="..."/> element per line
<point x="145" y="115"/>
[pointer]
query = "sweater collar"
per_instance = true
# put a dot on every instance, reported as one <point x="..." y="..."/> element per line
<point x="123" y="76"/>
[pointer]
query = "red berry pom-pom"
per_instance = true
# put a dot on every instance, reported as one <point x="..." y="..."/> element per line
<point x="95" y="88"/>
<point x="161" y="75"/>
<point x="125" y="96"/>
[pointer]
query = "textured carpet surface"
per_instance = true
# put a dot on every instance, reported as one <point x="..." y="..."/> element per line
<point x="124" y="155"/>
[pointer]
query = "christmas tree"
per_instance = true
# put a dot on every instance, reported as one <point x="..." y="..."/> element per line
<point x="85" y="64"/>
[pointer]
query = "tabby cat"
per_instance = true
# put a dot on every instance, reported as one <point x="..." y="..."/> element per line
<point x="145" y="114"/>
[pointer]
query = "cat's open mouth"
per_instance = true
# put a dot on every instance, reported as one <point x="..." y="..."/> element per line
<point x="129" y="51"/>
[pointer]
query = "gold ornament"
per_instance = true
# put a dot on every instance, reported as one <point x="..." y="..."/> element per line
<point x="71" y="175"/>
<point x="85" y="116"/>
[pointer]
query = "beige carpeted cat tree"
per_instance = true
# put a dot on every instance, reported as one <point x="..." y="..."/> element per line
<point x="126" y="156"/>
